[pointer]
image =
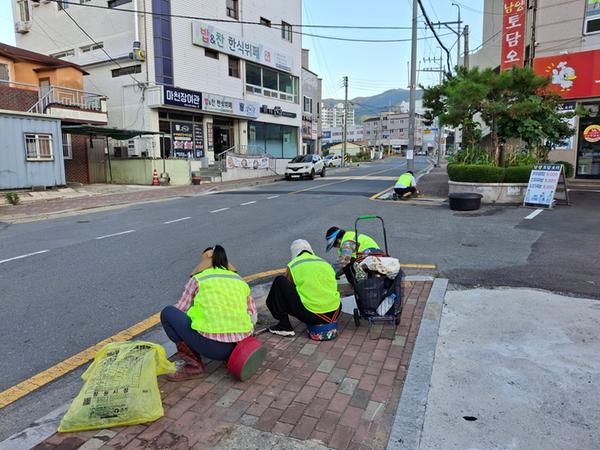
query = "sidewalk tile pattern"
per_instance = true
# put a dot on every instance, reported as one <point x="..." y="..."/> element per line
<point x="343" y="393"/>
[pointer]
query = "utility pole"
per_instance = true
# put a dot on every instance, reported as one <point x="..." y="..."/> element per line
<point x="466" y="57"/>
<point x="413" y="92"/>
<point x="439" y="125"/>
<point x="458" y="32"/>
<point x="345" y="121"/>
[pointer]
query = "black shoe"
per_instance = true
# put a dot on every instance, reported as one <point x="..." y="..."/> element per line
<point x="282" y="330"/>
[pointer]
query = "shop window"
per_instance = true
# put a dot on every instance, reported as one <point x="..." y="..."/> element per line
<point x="234" y="67"/>
<point x="279" y="141"/>
<point x="271" y="83"/>
<point x="211" y="53"/>
<point x="233" y="9"/>
<point x="38" y="147"/>
<point x="286" y="31"/>
<point x="67" y="146"/>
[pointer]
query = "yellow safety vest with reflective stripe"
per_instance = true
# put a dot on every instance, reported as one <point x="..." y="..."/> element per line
<point x="221" y="304"/>
<point x="405" y="180"/>
<point x="315" y="282"/>
<point x="364" y="241"/>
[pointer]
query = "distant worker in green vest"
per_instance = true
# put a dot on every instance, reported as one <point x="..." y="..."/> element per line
<point x="406" y="186"/>
<point x="308" y="291"/>
<point x="214" y="313"/>
<point x="345" y="242"/>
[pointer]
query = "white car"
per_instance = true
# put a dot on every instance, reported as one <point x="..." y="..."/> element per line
<point x="305" y="166"/>
<point x="333" y="161"/>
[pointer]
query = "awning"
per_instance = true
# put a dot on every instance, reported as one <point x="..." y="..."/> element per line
<point x="115" y="133"/>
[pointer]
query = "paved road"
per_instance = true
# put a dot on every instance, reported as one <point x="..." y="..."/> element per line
<point x="100" y="273"/>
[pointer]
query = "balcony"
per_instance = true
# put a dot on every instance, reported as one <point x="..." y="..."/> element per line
<point x="71" y="105"/>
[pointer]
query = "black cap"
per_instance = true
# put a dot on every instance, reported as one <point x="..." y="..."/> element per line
<point x="331" y="232"/>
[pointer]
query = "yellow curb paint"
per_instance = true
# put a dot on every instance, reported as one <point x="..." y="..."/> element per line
<point x="376" y="196"/>
<point x="26" y="387"/>
<point x="418" y="266"/>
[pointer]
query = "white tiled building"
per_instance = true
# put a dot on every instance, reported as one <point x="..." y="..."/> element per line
<point x="208" y="86"/>
<point x="334" y="116"/>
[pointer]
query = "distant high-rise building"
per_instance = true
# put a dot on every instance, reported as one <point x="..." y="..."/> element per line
<point x="333" y="117"/>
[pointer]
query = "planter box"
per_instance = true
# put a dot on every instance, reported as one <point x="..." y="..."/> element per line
<point x="507" y="193"/>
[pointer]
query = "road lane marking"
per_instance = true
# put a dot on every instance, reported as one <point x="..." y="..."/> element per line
<point x="272" y="197"/>
<point x="219" y="210"/>
<point x="248" y="203"/>
<point x="23" y="256"/>
<point x="534" y="214"/>
<point x="41" y="379"/>
<point x="177" y="220"/>
<point x="319" y="186"/>
<point x="115" y="234"/>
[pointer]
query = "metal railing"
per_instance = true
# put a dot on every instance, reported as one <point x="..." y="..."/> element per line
<point x="73" y="98"/>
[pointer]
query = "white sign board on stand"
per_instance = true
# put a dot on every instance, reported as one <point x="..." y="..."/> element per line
<point x="410" y="154"/>
<point x="543" y="183"/>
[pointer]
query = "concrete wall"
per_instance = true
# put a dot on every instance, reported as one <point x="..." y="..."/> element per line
<point x="139" y="171"/>
<point x="15" y="170"/>
<point x="502" y="193"/>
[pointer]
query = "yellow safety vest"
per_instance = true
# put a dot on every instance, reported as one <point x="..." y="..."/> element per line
<point x="405" y="180"/>
<point x="364" y="241"/>
<point x="221" y="304"/>
<point x="315" y="282"/>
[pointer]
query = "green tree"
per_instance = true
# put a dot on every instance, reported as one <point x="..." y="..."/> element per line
<point x="513" y="104"/>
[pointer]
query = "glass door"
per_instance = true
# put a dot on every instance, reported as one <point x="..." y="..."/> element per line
<point x="588" y="151"/>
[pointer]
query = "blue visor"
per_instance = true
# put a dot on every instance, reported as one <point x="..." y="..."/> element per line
<point x="331" y="240"/>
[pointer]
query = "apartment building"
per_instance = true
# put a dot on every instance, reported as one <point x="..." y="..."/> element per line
<point x="209" y="87"/>
<point x="333" y="116"/>
<point x="390" y="129"/>
<point x="311" y="107"/>
<point x="335" y="135"/>
<point x="562" y="42"/>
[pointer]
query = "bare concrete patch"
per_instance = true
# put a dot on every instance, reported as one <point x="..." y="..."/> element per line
<point x="241" y="437"/>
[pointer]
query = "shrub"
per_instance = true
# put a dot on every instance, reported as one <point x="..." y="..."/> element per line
<point x="475" y="173"/>
<point x="12" y="198"/>
<point x="569" y="169"/>
<point x="517" y="174"/>
<point x="475" y="155"/>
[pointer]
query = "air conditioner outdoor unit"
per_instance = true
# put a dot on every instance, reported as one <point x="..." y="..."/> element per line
<point x="23" y="27"/>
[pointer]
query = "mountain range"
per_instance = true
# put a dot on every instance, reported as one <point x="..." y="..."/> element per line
<point x="368" y="106"/>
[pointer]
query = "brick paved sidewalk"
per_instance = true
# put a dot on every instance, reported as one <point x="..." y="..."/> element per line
<point x="340" y="394"/>
<point x="46" y="208"/>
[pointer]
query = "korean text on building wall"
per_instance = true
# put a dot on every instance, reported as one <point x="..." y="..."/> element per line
<point x="572" y="75"/>
<point x="513" y="34"/>
<point x="208" y="36"/>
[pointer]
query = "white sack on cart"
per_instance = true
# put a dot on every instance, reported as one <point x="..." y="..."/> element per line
<point x="387" y="266"/>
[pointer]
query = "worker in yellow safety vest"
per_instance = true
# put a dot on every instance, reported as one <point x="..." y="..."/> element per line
<point x="406" y="186"/>
<point x="345" y="242"/>
<point x="308" y="291"/>
<point x="214" y="313"/>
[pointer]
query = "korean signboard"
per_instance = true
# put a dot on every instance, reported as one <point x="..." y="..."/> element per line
<point x="198" y="141"/>
<point x="229" y="105"/>
<point x="182" y="139"/>
<point x="543" y="183"/>
<point x="513" y="34"/>
<point x="573" y="75"/>
<point x="208" y="36"/>
<point x="183" y="98"/>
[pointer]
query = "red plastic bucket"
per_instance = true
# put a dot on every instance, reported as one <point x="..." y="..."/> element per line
<point x="246" y="358"/>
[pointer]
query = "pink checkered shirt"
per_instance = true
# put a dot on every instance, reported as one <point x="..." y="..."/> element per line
<point x="185" y="302"/>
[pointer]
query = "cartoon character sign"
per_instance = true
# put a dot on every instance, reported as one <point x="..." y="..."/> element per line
<point x="564" y="76"/>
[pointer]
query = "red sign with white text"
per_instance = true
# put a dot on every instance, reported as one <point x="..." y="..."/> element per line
<point x="513" y="34"/>
<point x="575" y="75"/>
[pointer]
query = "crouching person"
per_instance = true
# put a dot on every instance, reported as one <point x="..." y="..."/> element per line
<point x="215" y="312"/>
<point x="308" y="291"/>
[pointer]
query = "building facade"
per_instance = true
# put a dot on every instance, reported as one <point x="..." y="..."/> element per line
<point x="333" y="116"/>
<point x="335" y="135"/>
<point x="49" y="87"/>
<point x="390" y="129"/>
<point x="311" y="108"/>
<point x="562" y="43"/>
<point x="210" y="88"/>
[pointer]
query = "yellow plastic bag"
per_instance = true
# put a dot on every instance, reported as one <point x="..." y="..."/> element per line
<point x="120" y="388"/>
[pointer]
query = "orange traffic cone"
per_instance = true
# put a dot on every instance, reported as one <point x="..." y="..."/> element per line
<point x="155" y="178"/>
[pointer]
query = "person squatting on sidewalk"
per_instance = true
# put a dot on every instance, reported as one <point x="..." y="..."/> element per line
<point x="308" y="291"/>
<point x="214" y="313"/>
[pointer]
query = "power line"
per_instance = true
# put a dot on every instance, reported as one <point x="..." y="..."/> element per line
<point x="436" y="35"/>
<point x="244" y="22"/>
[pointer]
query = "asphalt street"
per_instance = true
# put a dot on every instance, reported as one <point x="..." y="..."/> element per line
<point x="91" y="275"/>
